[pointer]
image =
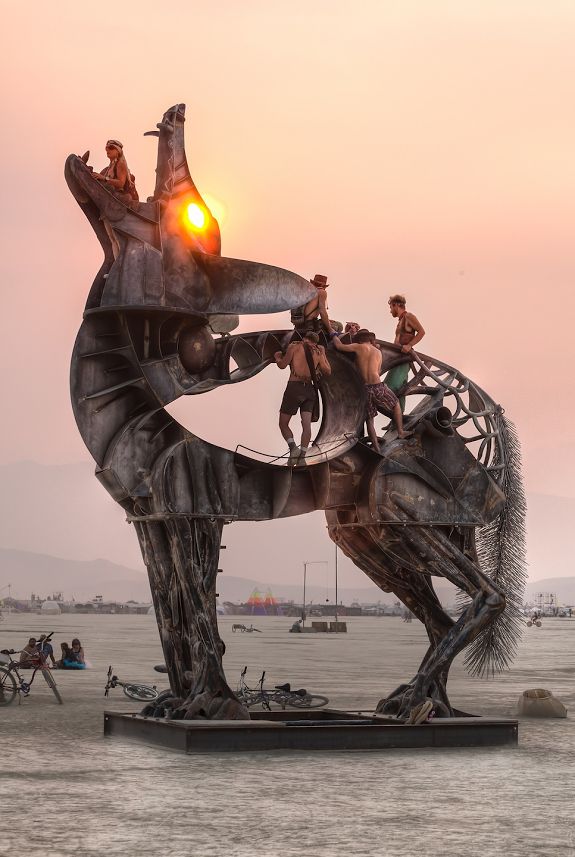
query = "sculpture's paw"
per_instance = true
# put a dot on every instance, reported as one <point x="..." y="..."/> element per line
<point x="163" y="706"/>
<point x="409" y="699"/>
<point x="210" y="705"/>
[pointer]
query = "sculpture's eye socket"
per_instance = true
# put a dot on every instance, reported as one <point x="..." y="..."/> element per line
<point x="195" y="216"/>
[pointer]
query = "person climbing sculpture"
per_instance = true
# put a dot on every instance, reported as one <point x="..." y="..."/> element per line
<point x="117" y="176"/>
<point x="409" y="332"/>
<point x="305" y="359"/>
<point x="379" y="395"/>
<point x="312" y="316"/>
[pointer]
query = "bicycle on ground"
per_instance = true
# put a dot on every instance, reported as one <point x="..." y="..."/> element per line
<point x="133" y="690"/>
<point x="281" y="695"/>
<point x="12" y="683"/>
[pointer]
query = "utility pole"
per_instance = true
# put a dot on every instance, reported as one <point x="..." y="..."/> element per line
<point x="336" y="589"/>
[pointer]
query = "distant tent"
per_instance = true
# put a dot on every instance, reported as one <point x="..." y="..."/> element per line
<point x="50" y="607"/>
<point x="256" y="604"/>
<point x="270" y="603"/>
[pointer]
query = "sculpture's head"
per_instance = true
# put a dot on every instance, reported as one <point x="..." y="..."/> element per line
<point x="165" y="253"/>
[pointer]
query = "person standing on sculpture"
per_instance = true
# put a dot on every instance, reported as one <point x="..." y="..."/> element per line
<point x="305" y="359"/>
<point x="409" y="332"/>
<point x="313" y="315"/>
<point x="368" y="361"/>
<point x="117" y="176"/>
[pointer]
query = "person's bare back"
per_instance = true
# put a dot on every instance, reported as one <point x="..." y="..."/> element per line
<point x="301" y="393"/>
<point x="368" y="361"/>
<point x="295" y="358"/>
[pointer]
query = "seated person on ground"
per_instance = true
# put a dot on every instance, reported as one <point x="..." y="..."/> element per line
<point x="28" y="655"/>
<point x="65" y="648"/>
<point x="368" y="360"/>
<point x="75" y="657"/>
<point x="46" y="650"/>
<point x="304" y="358"/>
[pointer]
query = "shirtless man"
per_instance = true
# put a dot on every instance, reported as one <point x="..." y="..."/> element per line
<point x="315" y="309"/>
<point x="409" y="332"/>
<point x="300" y="393"/>
<point x="368" y="360"/>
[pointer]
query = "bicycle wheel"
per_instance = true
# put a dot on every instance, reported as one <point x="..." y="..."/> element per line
<point x="310" y="700"/>
<point x="250" y="698"/>
<point x="51" y="682"/>
<point x="7" y="687"/>
<point x="140" y="691"/>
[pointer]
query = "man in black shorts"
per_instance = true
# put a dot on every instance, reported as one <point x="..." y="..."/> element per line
<point x="300" y="393"/>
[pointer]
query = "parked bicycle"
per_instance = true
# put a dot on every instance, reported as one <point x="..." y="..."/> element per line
<point x="12" y="683"/>
<point x="133" y="690"/>
<point x="281" y="695"/>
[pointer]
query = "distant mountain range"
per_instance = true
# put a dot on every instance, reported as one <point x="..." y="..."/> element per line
<point x="82" y="580"/>
<point x="44" y="575"/>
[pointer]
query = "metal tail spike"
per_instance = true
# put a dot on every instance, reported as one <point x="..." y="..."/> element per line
<point x="501" y="551"/>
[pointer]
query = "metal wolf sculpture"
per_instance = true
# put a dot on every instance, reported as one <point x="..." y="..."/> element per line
<point x="157" y="326"/>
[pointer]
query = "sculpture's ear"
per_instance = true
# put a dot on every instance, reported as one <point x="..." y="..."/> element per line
<point x="176" y="192"/>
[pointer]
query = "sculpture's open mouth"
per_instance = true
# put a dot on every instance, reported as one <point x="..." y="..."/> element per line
<point x="94" y="200"/>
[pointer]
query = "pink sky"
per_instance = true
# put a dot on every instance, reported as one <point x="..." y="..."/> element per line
<point x="412" y="146"/>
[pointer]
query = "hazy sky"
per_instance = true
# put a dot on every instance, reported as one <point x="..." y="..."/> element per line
<point x="412" y="146"/>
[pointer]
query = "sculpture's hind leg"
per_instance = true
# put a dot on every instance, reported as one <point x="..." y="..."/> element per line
<point x="390" y="566"/>
<point x="182" y="555"/>
<point x="487" y="603"/>
<point x="437" y="624"/>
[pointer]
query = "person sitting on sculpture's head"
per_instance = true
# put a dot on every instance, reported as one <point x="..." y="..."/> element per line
<point x="117" y="176"/>
<point x="305" y="359"/>
<point x="368" y="361"/>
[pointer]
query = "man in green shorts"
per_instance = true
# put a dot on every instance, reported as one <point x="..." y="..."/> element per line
<point x="409" y="332"/>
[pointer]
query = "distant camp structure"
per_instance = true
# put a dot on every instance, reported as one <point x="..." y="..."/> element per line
<point x="266" y="605"/>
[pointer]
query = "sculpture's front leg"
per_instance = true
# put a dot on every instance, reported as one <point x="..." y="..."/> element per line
<point x="181" y="554"/>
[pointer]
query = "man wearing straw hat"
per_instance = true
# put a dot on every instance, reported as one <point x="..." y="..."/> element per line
<point x="313" y="315"/>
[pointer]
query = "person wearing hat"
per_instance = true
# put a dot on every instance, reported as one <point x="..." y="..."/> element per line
<point x="313" y="315"/>
<point x="117" y="176"/>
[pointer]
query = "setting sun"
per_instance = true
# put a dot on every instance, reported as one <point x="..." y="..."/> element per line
<point x="196" y="215"/>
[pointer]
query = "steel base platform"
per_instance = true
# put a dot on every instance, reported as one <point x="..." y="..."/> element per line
<point x="327" y="729"/>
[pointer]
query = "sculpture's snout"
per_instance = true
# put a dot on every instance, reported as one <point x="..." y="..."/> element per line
<point x="442" y="418"/>
<point x="438" y="421"/>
